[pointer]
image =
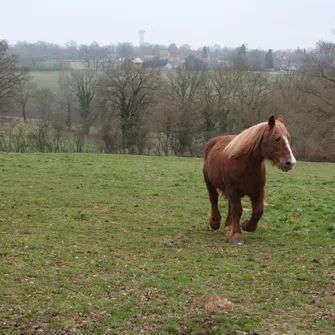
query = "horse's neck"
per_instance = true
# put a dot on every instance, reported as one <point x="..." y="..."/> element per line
<point x="255" y="158"/>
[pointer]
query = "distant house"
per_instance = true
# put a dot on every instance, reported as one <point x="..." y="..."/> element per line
<point x="168" y="66"/>
<point x="148" y="57"/>
<point x="223" y="61"/>
<point x="138" y="60"/>
<point x="281" y="63"/>
<point x="165" y="54"/>
<point x="292" y="68"/>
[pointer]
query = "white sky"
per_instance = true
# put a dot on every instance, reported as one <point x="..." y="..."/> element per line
<point x="280" y="24"/>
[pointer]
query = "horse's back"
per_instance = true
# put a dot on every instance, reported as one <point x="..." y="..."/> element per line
<point x="214" y="159"/>
<point x="217" y="143"/>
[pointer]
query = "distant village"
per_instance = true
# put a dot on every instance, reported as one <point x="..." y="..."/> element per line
<point x="44" y="56"/>
<point x="281" y="63"/>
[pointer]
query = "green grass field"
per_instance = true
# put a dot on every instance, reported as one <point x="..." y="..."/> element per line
<point x="49" y="79"/>
<point x="113" y="244"/>
<point x="46" y="79"/>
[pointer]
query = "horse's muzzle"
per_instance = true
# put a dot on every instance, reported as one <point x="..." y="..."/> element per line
<point x="286" y="165"/>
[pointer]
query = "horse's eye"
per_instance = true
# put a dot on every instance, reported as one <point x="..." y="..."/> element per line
<point x="278" y="139"/>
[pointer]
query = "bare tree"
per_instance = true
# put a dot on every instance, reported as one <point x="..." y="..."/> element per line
<point x="71" y="50"/>
<point x="315" y="93"/>
<point x="45" y="103"/>
<point x="218" y="90"/>
<point x="66" y="97"/>
<point x="125" y="50"/>
<point x="131" y="89"/>
<point x="24" y="93"/>
<point x="9" y="76"/>
<point x="94" y="55"/>
<point x="18" y="135"/>
<point x="162" y="119"/>
<point x="318" y="81"/>
<point x="84" y="54"/>
<point x="256" y="60"/>
<point x="253" y="90"/>
<point x="109" y="128"/>
<point x="183" y="93"/>
<point x="97" y="55"/>
<point x="85" y="85"/>
<point x="45" y="108"/>
<point x="57" y="131"/>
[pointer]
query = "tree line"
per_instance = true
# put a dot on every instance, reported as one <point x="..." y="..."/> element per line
<point x="136" y="109"/>
<point x="37" y="56"/>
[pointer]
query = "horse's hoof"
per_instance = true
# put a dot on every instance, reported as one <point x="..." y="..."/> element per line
<point x="215" y="225"/>
<point x="239" y="242"/>
<point x="249" y="228"/>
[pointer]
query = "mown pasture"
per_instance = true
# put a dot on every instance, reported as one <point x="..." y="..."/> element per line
<point x="117" y="244"/>
<point x="46" y="79"/>
<point x="50" y="79"/>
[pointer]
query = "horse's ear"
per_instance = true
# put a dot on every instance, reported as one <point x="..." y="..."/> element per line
<point x="271" y="121"/>
<point x="280" y="118"/>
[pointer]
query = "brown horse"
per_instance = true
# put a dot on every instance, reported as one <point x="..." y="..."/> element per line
<point x="235" y="166"/>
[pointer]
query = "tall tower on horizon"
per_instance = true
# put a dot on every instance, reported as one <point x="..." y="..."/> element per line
<point x="141" y="33"/>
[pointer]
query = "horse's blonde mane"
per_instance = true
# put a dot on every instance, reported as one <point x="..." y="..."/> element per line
<point x="248" y="141"/>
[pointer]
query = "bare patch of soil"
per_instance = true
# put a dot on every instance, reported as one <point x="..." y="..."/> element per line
<point x="214" y="304"/>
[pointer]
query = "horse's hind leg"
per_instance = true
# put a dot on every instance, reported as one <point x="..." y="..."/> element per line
<point x="257" y="212"/>
<point x="215" y="217"/>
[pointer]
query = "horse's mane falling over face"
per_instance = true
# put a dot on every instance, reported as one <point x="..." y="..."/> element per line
<point x="249" y="140"/>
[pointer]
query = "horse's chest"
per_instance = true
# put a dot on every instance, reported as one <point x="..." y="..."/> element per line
<point x="245" y="184"/>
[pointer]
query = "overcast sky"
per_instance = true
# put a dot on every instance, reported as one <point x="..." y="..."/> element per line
<point x="280" y="24"/>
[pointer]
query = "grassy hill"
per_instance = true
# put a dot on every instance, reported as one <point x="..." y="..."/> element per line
<point x="113" y="244"/>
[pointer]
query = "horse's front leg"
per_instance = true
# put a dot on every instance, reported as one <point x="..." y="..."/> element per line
<point x="215" y="216"/>
<point x="236" y="212"/>
<point x="257" y="212"/>
<point x="227" y="225"/>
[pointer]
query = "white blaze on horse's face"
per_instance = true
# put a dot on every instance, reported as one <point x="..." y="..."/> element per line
<point x="287" y="163"/>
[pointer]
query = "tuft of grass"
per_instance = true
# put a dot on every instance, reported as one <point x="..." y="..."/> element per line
<point x="115" y="244"/>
